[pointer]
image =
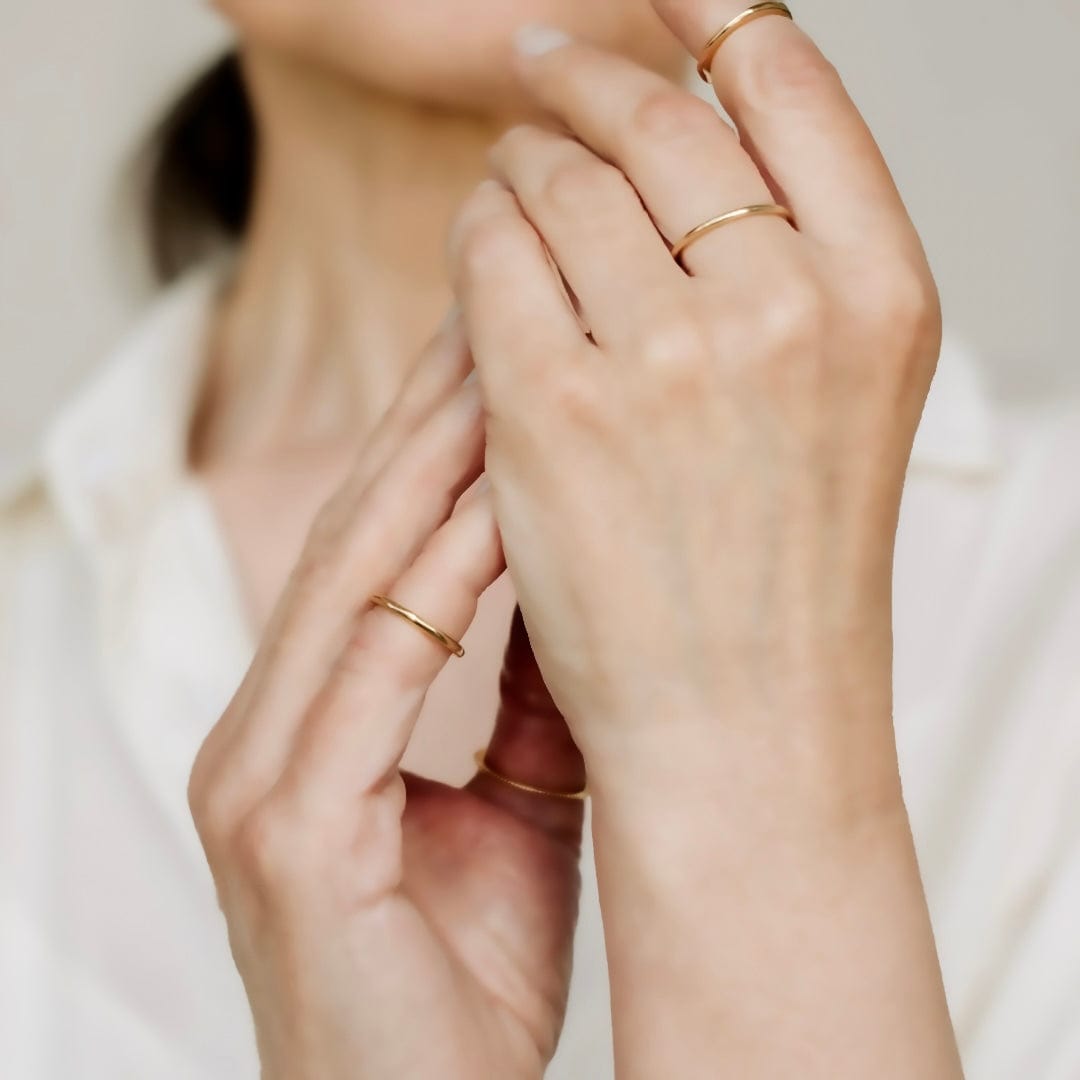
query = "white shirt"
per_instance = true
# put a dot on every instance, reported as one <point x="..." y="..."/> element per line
<point x="122" y="639"/>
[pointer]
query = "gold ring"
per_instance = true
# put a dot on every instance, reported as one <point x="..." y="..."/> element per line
<point x="706" y="227"/>
<point x="755" y="11"/>
<point x="443" y="639"/>
<point x="484" y="767"/>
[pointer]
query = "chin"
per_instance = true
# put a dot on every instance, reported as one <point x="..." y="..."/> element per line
<point x="453" y="53"/>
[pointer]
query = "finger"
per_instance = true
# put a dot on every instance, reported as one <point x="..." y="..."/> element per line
<point x="438" y="372"/>
<point x="355" y="548"/>
<point x="360" y="724"/>
<point x="440" y="369"/>
<point x="518" y="318"/>
<point x="593" y="222"/>
<point x="684" y="160"/>
<point x="532" y="744"/>
<point x="799" y="124"/>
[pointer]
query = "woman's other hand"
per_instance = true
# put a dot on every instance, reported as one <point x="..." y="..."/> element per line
<point x="386" y="925"/>
<point x="698" y="498"/>
<point x="697" y="471"/>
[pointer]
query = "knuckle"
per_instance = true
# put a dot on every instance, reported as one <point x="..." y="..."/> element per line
<point x="467" y="546"/>
<point x="903" y="308"/>
<point x="262" y="848"/>
<point x="790" y="73"/>
<point x="384" y="655"/>
<point x="210" y="805"/>
<point x="203" y="810"/>
<point x="486" y="242"/>
<point x="677" y="353"/>
<point x="582" y="181"/>
<point x="212" y="812"/>
<point x="670" y="113"/>
<point x="365" y="652"/>
<point x="913" y="302"/>
<point x="377" y="866"/>
<point x="517" y="143"/>
<point x="577" y="399"/>
<point x="795" y="316"/>
<point x="199" y="793"/>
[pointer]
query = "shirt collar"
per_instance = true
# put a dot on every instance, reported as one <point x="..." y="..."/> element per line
<point x="119" y="446"/>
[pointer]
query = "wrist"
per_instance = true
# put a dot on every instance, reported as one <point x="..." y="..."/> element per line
<point x="692" y="831"/>
<point x="830" y="775"/>
<point x="766" y="897"/>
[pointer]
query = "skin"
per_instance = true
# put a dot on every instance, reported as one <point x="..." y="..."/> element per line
<point x="315" y="341"/>
<point x="710" y="641"/>
<point x="727" y="675"/>
<point x="454" y="56"/>
<point x="330" y="304"/>
<point x="359" y="897"/>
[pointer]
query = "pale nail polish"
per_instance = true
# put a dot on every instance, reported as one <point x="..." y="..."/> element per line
<point x="536" y="39"/>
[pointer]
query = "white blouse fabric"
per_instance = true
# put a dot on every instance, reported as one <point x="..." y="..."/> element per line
<point x="122" y="638"/>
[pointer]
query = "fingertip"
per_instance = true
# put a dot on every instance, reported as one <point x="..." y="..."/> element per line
<point x="477" y="205"/>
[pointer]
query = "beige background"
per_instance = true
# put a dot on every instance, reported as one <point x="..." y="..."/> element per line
<point x="977" y="106"/>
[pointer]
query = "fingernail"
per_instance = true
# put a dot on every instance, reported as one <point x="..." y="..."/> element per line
<point x="483" y="485"/>
<point x="535" y="39"/>
<point x="470" y="379"/>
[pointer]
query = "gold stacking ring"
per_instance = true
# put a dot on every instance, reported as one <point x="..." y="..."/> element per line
<point x="706" y="227"/>
<point x="755" y="11"/>
<point x="484" y="767"/>
<point x="443" y="639"/>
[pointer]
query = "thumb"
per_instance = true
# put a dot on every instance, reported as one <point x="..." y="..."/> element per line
<point x="532" y="745"/>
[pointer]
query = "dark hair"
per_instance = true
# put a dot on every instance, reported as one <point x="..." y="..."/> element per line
<point x="201" y="170"/>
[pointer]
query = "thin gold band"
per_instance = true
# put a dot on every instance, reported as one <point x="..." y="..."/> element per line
<point x="712" y="224"/>
<point x="484" y="767"/>
<point x="443" y="639"/>
<point x="755" y="11"/>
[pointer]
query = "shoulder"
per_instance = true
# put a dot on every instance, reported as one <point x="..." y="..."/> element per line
<point x="135" y="402"/>
<point x="29" y="524"/>
<point x="111" y="450"/>
<point x="44" y="589"/>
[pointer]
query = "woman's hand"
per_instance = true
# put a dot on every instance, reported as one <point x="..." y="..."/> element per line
<point x="698" y="504"/>
<point x="698" y="500"/>
<point x="387" y="926"/>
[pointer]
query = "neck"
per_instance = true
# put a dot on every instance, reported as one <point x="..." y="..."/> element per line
<point x="342" y="277"/>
